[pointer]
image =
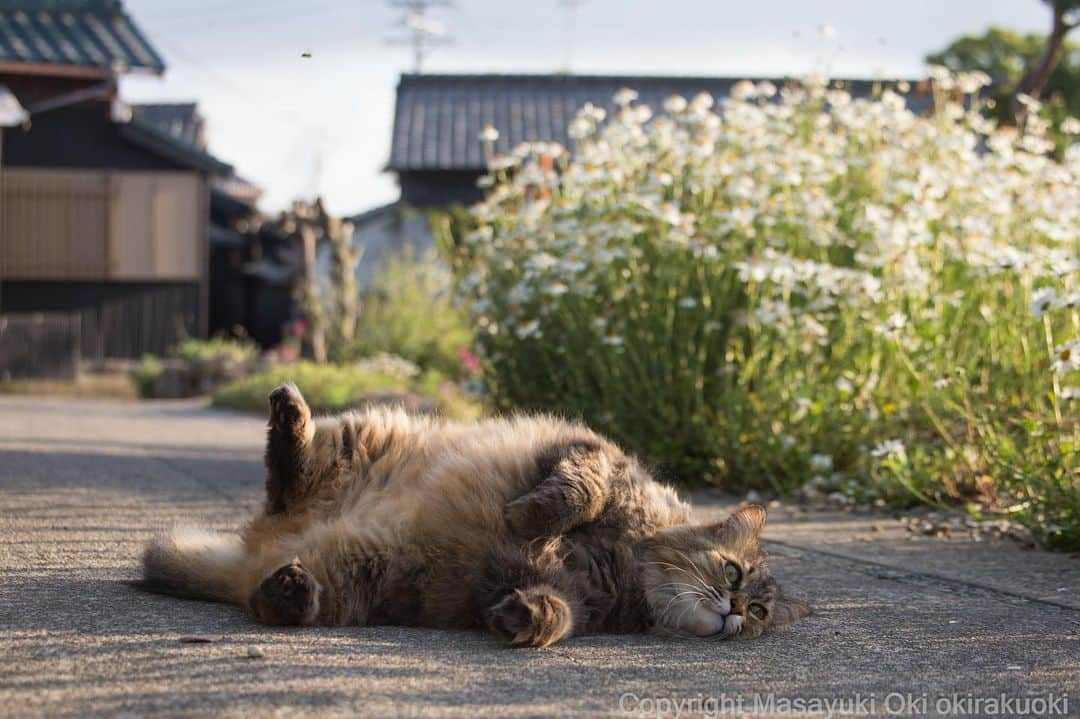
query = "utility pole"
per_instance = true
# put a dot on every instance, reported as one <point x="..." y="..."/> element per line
<point x="422" y="33"/>
<point x="571" y="8"/>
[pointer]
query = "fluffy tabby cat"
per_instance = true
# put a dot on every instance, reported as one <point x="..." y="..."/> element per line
<point x="533" y="527"/>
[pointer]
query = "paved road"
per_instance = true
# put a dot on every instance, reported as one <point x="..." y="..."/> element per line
<point x="83" y="484"/>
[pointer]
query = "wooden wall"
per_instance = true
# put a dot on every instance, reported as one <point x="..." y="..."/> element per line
<point x="102" y="225"/>
<point x="39" y="345"/>
<point x="116" y="319"/>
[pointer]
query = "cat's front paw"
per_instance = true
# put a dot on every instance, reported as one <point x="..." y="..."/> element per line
<point x="536" y="617"/>
<point x="289" y="596"/>
<point x="531" y="516"/>
<point x="288" y="410"/>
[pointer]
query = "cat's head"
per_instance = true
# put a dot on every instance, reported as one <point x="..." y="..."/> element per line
<point x="711" y="580"/>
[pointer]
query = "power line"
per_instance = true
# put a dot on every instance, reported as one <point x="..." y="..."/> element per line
<point x="229" y="22"/>
<point x="191" y="10"/>
<point x="285" y="115"/>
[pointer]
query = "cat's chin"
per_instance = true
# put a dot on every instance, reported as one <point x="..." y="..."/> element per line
<point x="706" y="624"/>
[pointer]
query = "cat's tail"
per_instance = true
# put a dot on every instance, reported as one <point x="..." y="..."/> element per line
<point x="194" y="563"/>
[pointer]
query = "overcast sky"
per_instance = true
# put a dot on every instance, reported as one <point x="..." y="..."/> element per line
<point x="321" y="125"/>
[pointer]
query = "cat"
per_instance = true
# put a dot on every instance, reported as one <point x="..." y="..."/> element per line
<point x="534" y="527"/>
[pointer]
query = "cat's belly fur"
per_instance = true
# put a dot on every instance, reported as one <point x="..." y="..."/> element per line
<point x="427" y="517"/>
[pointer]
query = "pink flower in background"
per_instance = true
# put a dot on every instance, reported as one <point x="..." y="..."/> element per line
<point x="298" y="329"/>
<point x="283" y="353"/>
<point x="468" y="360"/>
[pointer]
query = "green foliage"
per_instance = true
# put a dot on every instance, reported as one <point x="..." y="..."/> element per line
<point x="408" y="311"/>
<point x="333" y="388"/>
<point x="240" y="350"/>
<point x="194" y="367"/>
<point x="144" y="376"/>
<point x="1005" y="55"/>
<point x="817" y="293"/>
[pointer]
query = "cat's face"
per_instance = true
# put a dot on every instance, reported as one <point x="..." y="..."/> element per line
<point x="712" y="580"/>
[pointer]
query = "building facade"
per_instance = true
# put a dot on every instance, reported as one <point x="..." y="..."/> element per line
<point x="103" y="216"/>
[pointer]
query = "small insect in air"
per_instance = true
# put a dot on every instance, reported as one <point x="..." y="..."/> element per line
<point x="305" y="54"/>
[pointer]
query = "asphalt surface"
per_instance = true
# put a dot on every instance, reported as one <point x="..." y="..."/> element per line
<point x="902" y="625"/>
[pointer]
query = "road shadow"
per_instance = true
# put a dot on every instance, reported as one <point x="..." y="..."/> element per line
<point x="135" y="470"/>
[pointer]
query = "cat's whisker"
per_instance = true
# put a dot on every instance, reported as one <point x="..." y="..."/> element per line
<point x="696" y="578"/>
<point x="693" y="567"/>
<point x="674" y="598"/>
<point x="688" y="610"/>
<point x="678" y="584"/>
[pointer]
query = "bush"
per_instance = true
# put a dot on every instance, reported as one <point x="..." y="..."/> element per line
<point x="807" y="290"/>
<point x="408" y="312"/>
<point x="147" y="374"/>
<point x="195" y="367"/>
<point x="217" y="349"/>
<point x="334" y="388"/>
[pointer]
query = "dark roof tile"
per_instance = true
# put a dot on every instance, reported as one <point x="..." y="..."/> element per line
<point x="77" y="33"/>
<point x="438" y="118"/>
<point x="179" y="119"/>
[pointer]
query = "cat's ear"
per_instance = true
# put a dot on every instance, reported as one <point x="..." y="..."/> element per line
<point x="789" y="609"/>
<point x="744" y="525"/>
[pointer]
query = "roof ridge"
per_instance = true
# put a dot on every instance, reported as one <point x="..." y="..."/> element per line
<point x="108" y="6"/>
<point x="189" y="103"/>
<point x="609" y="77"/>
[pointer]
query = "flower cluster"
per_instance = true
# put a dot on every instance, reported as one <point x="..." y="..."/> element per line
<point x="748" y="288"/>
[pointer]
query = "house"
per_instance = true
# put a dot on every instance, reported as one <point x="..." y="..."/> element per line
<point x="104" y="214"/>
<point x="437" y="155"/>
<point x="237" y="297"/>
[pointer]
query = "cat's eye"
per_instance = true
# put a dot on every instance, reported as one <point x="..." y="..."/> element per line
<point x="732" y="575"/>
<point x="759" y="611"/>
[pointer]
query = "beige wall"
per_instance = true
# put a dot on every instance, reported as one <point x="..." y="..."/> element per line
<point x="102" y="225"/>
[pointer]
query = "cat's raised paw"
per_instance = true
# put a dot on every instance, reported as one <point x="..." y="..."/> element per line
<point x="288" y="410"/>
<point x="289" y="596"/>
<point x="535" y="617"/>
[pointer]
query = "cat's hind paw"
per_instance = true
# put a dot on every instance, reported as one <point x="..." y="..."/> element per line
<point x="536" y="617"/>
<point x="289" y="596"/>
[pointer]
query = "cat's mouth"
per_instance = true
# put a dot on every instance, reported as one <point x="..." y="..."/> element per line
<point x="709" y="621"/>
<point x="732" y="626"/>
<point x="728" y="626"/>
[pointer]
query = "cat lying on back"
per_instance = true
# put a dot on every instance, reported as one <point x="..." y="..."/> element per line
<point x="533" y="527"/>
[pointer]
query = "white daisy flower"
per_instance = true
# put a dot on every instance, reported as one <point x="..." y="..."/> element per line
<point x="529" y="329"/>
<point x="1043" y="300"/>
<point x="888" y="448"/>
<point x="625" y="96"/>
<point x="675" y="104"/>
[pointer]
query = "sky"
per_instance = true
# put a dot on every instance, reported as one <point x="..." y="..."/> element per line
<point x="320" y="125"/>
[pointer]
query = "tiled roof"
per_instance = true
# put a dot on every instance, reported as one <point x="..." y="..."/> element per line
<point x="183" y="125"/>
<point x="438" y="117"/>
<point x="74" y="33"/>
<point x="166" y="145"/>
<point x="179" y="119"/>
